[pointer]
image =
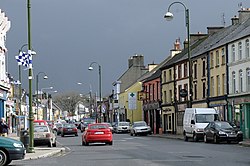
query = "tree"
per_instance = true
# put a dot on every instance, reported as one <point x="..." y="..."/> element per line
<point x="68" y="101"/>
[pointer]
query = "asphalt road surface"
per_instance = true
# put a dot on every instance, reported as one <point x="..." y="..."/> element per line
<point x="144" y="151"/>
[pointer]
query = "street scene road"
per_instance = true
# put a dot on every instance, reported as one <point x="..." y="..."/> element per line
<point x="144" y="151"/>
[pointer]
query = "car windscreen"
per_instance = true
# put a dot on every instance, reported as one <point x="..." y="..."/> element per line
<point x="124" y="124"/>
<point x="206" y="118"/>
<point x="223" y="125"/>
<point x="41" y="129"/>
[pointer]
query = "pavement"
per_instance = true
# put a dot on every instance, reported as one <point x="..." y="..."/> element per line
<point x="245" y="142"/>
<point x="42" y="152"/>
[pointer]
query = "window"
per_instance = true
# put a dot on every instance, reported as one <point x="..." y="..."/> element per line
<point x="247" y="49"/>
<point x="195" y="91"/>
<point x="203" y="90"/>
<point x="170" y="75"/>
<point x="164" y="76"/>
<point x="195" y="70"/>
<point x="186" y="87"/>
<point x="223" y="57"/>
<point x="171" y="98"/>
<point x="248" y="79"/>
<point x="185" y="69"/>
<point x="179" y="71"/>
<point x="240" y="81"/>
<point x="218" y="84"/>
<point x="240" y="50"/>
<point x="233" y="53"/>
<point x="233" y="82"/>
<point x="203" y="68"/>
<point x="165" y="97"/>
<point x="179" y="89"/>
<point x="223" y="84"/>
<point x="217" y="58"/>
<point x="212" y="87"/>
<point x="153" y="91"/>
<point x="211" y="60"/>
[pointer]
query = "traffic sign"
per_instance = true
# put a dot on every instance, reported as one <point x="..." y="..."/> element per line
<point x="132" y="101"/>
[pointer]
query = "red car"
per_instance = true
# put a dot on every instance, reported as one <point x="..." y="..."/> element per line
<point x="68" y="129"/>
<point x="98" y="132"/>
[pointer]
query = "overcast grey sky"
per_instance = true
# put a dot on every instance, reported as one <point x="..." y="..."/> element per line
<point x="70" y="34"/>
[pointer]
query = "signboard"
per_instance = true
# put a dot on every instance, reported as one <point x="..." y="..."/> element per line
<point x="132" y="101"/>
<point x="183" y="93"/>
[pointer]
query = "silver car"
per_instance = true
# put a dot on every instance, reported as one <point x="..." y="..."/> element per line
<point x="140" y="128"/>
<point x="122" y="127"/>
<point x="43" y="134"/>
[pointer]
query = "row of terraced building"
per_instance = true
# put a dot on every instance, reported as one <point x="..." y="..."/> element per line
<point x="220" y="78"/>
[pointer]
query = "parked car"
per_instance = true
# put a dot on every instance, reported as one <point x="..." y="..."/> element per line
<point x="219" y="131"/>
<point x="98" y="132"/>
<point x="122" y="127"/>
<point x="11" y="149"/>
<point x="110" y="126"/>
<point x="140" y="128"/>
<point x="68" y="129"/>
<point x="43" y="134"/>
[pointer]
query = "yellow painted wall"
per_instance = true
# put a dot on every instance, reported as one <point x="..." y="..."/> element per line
<point x="132" y="115"/>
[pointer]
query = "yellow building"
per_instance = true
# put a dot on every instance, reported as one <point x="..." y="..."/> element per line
<point x="129" y="104"/>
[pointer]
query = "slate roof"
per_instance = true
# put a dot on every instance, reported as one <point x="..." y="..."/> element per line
<point x="213" y="41"/>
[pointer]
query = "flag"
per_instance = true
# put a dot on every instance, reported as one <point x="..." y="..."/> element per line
<point x="24" y="59"/>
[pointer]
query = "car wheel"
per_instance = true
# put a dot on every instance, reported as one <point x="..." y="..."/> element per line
<point x="185" y="137"/>
<point x="216" y="139"/>
<point x="54" y="144"/>
<point x="205" y="138"/>
<point x="62" y="135"/>
<point x="83" y="143"/>
<point x="195" y="137"/>
<point x="50" y="144"/>
<point x="3" y="158"/>
<point x="76" y="135"/>
<point x="131" y="134"/>
<point x="86" y="144"/>
<point x="110" y="143"/>
<point x="228" y="142"/>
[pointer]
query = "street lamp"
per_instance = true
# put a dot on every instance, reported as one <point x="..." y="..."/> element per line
<point x="169" y="16"/>
<point x="100" y="89"/>
<point x="37" y="80"/>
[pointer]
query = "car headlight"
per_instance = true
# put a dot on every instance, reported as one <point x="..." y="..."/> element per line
<point x="200" y="130"/>
<point x="239" y="132"/>
<point x="17" y="145"/>
<point x="222" y="133"/>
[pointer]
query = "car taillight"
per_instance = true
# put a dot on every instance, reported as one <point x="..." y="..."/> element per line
<point x="65" y="129"/>
<point x="48" y="135"/>
<point x="75" y="129"/>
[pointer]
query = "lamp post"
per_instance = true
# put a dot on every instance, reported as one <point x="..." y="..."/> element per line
<point x="169" y="16"/>
<point x="37" y="81"/>
<point x="31" y="116"/>
<point x="100" y="89"/>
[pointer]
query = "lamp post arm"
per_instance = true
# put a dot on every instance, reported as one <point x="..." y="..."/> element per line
<point x="176" y="3"/>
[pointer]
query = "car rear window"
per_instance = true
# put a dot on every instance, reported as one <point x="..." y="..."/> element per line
<point x="69" y="125"/>
<point x="41" y="129"/>
<point x="98" y="127"/>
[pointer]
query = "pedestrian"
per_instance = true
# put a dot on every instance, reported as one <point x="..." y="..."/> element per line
<point x="3" y="128"/>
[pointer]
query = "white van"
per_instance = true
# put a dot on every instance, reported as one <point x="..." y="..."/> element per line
<point x="195" y="120"/>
